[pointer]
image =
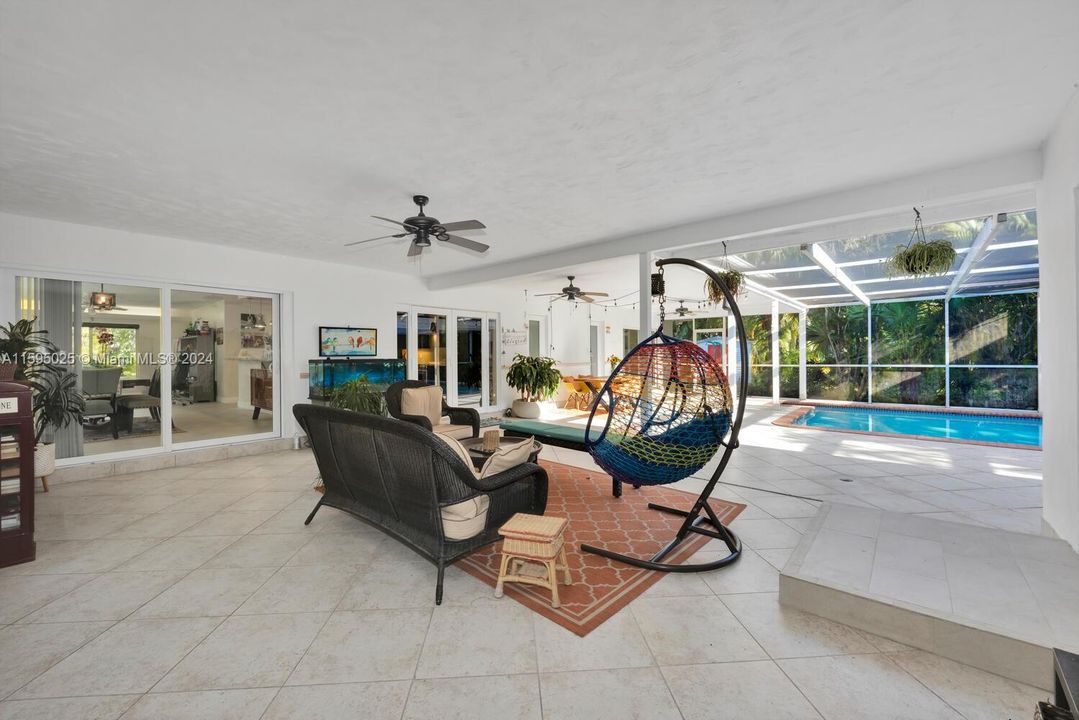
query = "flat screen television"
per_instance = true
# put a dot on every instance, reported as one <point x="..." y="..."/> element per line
<point x="347" y="342"/>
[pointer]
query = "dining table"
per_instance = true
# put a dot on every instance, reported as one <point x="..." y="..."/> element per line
<point x="594" y="383"/>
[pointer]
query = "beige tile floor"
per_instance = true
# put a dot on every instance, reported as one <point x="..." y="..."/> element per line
<point x="1012" y="584"/>
<point x="210" y="599"/>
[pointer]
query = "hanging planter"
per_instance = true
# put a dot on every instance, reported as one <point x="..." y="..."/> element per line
<point x="922" y="257"/>
<point x="733" y="279"/>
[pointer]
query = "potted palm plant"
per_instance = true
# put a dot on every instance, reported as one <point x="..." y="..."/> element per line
<point x="535" y="379"/>
<point x="27" y="354"/>
<point x="57" y="404"/>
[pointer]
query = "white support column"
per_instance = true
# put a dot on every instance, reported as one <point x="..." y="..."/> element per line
<point x="646" y="268"/>
<point x="802" y="318"/>
<point x="731" y="347"/>
<point x="775" y="351"/>
<point x="947" y="355"/>
<point x="168" y="345"/>
<point x="869" y="351"/>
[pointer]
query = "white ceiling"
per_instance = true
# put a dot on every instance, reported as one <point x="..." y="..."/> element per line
<point x="283" y="126"/>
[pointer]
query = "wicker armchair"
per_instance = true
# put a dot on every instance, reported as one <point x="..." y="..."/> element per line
<point x="459" y="416"/>
<point x="398" y="477"/>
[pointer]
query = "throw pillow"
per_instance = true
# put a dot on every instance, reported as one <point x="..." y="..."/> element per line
<point x="507" y="456"/>
<point x="425" y="401"/>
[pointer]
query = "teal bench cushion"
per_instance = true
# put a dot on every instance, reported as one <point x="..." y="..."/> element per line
<point x="549" y="431"/>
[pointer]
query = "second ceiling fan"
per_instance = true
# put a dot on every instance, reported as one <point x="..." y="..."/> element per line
<point x="573" y="293"/>
<point x="424" y="227"/>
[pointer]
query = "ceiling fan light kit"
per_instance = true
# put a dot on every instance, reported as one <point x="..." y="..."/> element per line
<point x="423" y="227"/>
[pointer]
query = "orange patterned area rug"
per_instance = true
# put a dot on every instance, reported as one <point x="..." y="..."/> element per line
<point x="601" y="587"/>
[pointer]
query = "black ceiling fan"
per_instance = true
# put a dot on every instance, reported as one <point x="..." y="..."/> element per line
<point x="424" y="227"/>
<point x="574" y="293"/>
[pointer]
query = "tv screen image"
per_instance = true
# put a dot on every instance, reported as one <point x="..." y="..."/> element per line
<point x="347" y="342"/>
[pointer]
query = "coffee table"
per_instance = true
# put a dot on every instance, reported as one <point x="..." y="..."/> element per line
<point x="479" y="455"/>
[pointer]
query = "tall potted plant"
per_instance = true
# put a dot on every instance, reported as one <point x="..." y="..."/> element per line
<point x="28" y="355"/>
<point x="535" y="379"/>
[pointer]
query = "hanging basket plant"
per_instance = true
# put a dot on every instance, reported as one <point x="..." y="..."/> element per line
<point x="922" y="257"/>
<point x="731" y="278"/>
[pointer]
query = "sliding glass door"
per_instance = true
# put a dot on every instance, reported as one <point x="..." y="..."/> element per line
<point x="470" y="352"/>
<point x="157" y="366"/>
<point x="222" y="370"/>
<point x="474" y="377"/>
<point x="431" y="342"/>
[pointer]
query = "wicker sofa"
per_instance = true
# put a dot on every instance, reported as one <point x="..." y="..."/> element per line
<point x="402" y="479"/>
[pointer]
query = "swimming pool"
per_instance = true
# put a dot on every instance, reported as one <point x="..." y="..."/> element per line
<point x="962" y="427"/>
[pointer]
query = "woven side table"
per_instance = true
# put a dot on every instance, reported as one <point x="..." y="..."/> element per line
<point x="533" y="552"/>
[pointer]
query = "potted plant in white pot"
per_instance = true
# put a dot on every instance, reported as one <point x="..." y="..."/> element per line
<point x="535" y="379"/>
<point x="57" y="404"/>
<point x="57" y="400"/>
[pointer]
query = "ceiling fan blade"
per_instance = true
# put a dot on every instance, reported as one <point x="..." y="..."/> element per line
<point x="596" y="294"/>
<point x="585" y="298"/>
<point x="395" y="222"/>
<point x="381" y="237"/>
<point x="467" y="244"/>
<point x="547" y="294"/>
<point x="464" y="225"/>
<point x="414" y="250"/>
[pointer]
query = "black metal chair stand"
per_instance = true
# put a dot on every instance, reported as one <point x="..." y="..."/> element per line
<point x="700" y="519"/>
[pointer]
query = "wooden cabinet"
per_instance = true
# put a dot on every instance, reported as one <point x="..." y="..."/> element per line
<point x="261" y="391"/>
<point x="16" y="475"/>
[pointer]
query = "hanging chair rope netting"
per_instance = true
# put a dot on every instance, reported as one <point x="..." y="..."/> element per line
<point x="668" y="408"/>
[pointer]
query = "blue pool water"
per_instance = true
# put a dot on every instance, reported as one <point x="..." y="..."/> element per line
<point x="952" y="426"/>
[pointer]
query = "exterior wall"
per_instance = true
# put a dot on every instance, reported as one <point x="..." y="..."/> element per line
<point x="1058" y="350"/>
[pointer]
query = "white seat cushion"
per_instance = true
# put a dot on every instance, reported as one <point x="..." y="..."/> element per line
<point x="463" y="520"/>
<point x="460" y="432"/>
<point x="425" y="401"/>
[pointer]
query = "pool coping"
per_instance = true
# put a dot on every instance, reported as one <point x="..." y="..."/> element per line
<point x="803" y="407"/>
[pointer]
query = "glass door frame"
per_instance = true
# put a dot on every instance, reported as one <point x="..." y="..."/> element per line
<point x="10" y="305"/>
<point x="451" y="315"/>
<point x="166" y="375"/>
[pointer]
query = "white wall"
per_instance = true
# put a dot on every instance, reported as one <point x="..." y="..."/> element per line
<point x="568" y="328"/>
<point x="313" y="293"/>
<point x="1058" y="339"/>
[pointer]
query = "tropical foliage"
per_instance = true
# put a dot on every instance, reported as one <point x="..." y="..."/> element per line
<point x="759" y="334"/>
<point x="56" y="397"/>
<point x="535" y="378"/>
<point x="837" y="337"/>
<point x="788" y="355"/>
<point x="358" y="395"/>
